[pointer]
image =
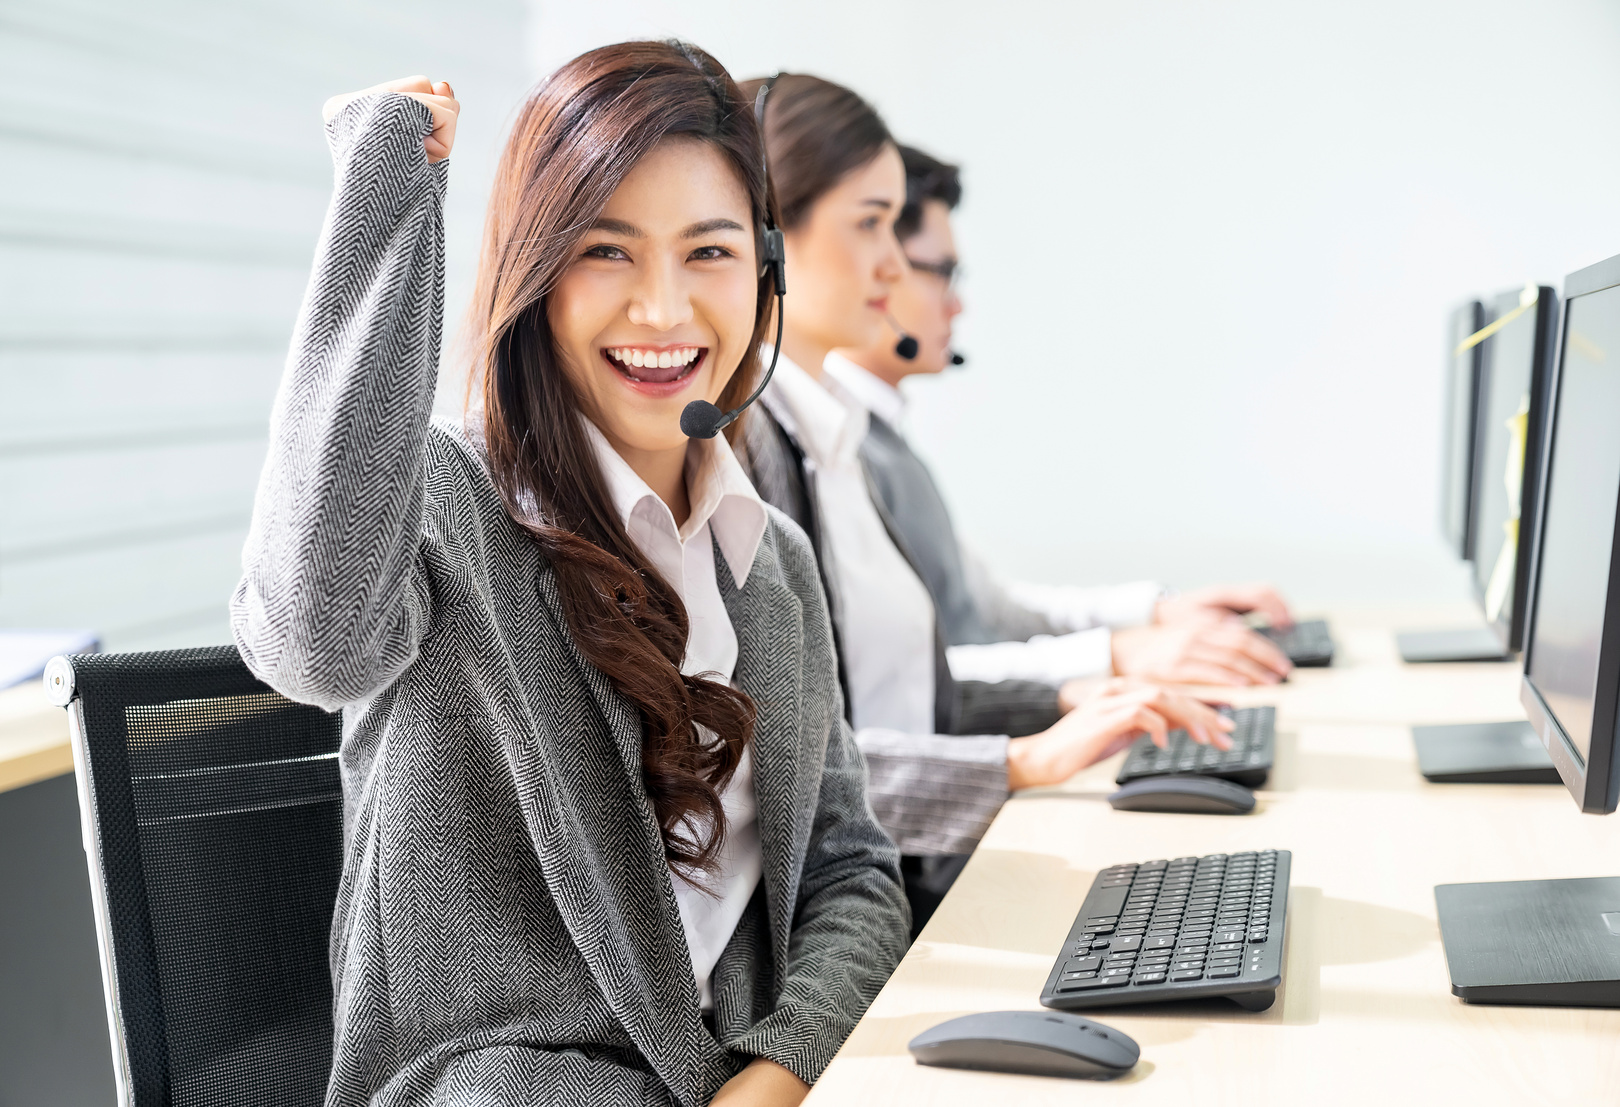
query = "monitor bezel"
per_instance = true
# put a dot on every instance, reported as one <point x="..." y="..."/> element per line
<point x="1594" y="782"/>
<point x="1509" y="627"/>
<point x="1462" y="544"/>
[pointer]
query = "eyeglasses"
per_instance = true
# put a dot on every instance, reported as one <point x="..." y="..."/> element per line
<point x="947" y="270"/>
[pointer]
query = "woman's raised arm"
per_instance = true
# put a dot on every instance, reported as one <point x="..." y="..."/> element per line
<point x="331" y="605"/>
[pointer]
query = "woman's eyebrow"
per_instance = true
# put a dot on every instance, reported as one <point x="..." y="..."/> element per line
<point x="617" y="226"/>
<point x="709" y="226"/>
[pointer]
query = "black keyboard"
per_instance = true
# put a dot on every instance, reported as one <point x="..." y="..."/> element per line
<point x="1308" y="645"/>
<point x="1248" y="762"/>
<point x="1192" y="928"/>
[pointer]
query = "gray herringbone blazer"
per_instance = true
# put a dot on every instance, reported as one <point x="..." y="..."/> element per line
<point x="506" y="930"/>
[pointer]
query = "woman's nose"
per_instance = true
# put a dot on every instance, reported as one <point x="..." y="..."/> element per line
<point x="661" y="300"/>
<point x="892" y="266"/>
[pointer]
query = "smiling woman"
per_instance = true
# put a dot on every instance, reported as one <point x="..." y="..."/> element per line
<point x="660" y="304"/>
<point x="607" y="835"/>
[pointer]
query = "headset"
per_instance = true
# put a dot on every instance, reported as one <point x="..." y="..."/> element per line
<point x="700" y="418"/>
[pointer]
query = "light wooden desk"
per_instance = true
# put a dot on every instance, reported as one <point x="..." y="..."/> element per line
<point x="1365" y="1015"/>
<point x="33" y="737"/>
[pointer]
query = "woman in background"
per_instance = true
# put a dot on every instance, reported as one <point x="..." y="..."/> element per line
<point x="607" y="837"/>
<point x="943" y="754"/>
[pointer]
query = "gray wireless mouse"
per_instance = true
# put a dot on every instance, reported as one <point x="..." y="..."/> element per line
<point x="1189" y="794"/>
<point x="1039" y="1043"/>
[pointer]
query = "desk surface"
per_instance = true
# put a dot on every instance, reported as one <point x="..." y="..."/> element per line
<point x="1366" y="1012"/>
<point x="33" y="737"/>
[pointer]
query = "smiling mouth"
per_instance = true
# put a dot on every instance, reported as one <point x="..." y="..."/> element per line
<point x="647" y="366"/>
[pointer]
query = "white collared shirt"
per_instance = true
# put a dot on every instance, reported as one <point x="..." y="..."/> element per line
<point x="873" y="392"/>
<point x="725" y="505"/>
<point x="885" y="616"/>
<point x="1088" y="614"/>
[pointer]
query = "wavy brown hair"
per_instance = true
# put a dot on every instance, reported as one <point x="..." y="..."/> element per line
<point x="576" y="137"/>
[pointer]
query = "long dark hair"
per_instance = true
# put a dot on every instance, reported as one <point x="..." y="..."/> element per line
<point x="577" y="136"/>
<point x="816" y="132"/>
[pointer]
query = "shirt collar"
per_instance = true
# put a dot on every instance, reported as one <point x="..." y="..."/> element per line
<point x="828" y="421"/>
<point x="874" y="393"/>
<point x="720" y="493"/>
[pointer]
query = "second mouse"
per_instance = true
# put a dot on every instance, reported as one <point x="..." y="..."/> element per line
<point x="1189" y="794"/>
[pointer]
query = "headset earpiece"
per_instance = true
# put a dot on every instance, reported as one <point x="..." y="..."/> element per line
<point x="700" y="418"/>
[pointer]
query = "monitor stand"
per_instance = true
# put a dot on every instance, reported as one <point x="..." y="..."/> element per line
<point x="1466" y="644"/>
<point x="1483" y="753"/>
<point x="1546" y="943"/>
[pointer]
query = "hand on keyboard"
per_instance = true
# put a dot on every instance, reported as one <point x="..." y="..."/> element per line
<point x="1107" y="722"/>
<point x="1224" y="601"/>
<point x="1199" y="653"/>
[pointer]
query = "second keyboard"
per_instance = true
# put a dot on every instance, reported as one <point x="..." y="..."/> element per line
<point x="1248" y="762"/>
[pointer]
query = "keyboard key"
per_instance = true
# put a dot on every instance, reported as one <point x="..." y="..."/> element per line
<point x="1127" y="943"/>
<point x="1084" y="964"/>
<point x="1257" y="936"/>
<point x="1159" y="942"/>
<point x="1088" y="985"/>
<point x="1068" y="976"/>
<point x="1224" y="972"/>
<point x="1149" y="978"/>
<point x="1187" y="974"/>
<point x="1230" y="936"/>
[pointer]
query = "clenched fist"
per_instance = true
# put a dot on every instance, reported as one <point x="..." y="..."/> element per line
<point x="437" y="96"/>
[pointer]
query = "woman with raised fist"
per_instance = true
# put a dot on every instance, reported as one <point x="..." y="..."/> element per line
<point x="607" y="835"/>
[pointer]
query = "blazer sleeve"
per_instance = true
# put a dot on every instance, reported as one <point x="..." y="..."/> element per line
<point x="934" y="793"/>
<point x="332" y="605"/>
<point x="852" y="920"/>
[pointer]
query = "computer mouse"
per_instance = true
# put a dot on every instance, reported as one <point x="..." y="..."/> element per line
<point x="1038" y="1043"/>
<point x="1187" y="794"/>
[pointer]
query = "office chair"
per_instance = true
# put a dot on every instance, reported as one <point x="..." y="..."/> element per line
<point x="213" y="825"/>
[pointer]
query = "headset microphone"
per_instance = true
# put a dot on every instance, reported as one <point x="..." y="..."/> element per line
<point x="700" y="418"/>
<point x="957" y="359"/>
<point x="906" y="348"/>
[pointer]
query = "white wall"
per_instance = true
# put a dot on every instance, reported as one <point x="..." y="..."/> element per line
<point x="1210" y="252"/>
<point x="165" y="179"/>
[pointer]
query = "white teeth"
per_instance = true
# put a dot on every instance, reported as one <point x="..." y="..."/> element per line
<point x="663" y="359"/>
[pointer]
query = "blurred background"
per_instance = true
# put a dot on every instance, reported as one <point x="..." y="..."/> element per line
<point x="1210" y="250"/>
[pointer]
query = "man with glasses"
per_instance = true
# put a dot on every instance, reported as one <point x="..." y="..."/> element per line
<point x="1000" y="631"/>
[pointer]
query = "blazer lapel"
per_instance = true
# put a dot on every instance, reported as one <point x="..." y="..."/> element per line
<point x="597" y="840"/>
<point x="788" y="746"/>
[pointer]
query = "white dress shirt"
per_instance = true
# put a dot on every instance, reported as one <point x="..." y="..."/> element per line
<point x="885" y="616"/>
<point x="725" y="504"/>
<point x="1087" y="615"/>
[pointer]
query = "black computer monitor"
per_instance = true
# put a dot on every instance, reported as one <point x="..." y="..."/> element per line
<point x="1515" y="369"/>
<point x="1552" y="942"/>
<point x="1572" y="643"/>
<point x="1461" y="415"/>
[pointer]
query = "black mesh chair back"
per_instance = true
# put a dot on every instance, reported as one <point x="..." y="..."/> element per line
<point x="213" y="821"/>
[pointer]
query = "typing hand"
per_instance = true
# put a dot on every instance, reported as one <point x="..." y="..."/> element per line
<point x="1222" y="602"/>
<point x="1199" y="653"/>
<point x="1108" y="721"/>
<point x="437" y="96"/>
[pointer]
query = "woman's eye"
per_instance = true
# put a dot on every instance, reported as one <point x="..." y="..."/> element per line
<point x="710" y="253"/>
<point x="870" y="223"/>
<point x="611" y="253"/>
